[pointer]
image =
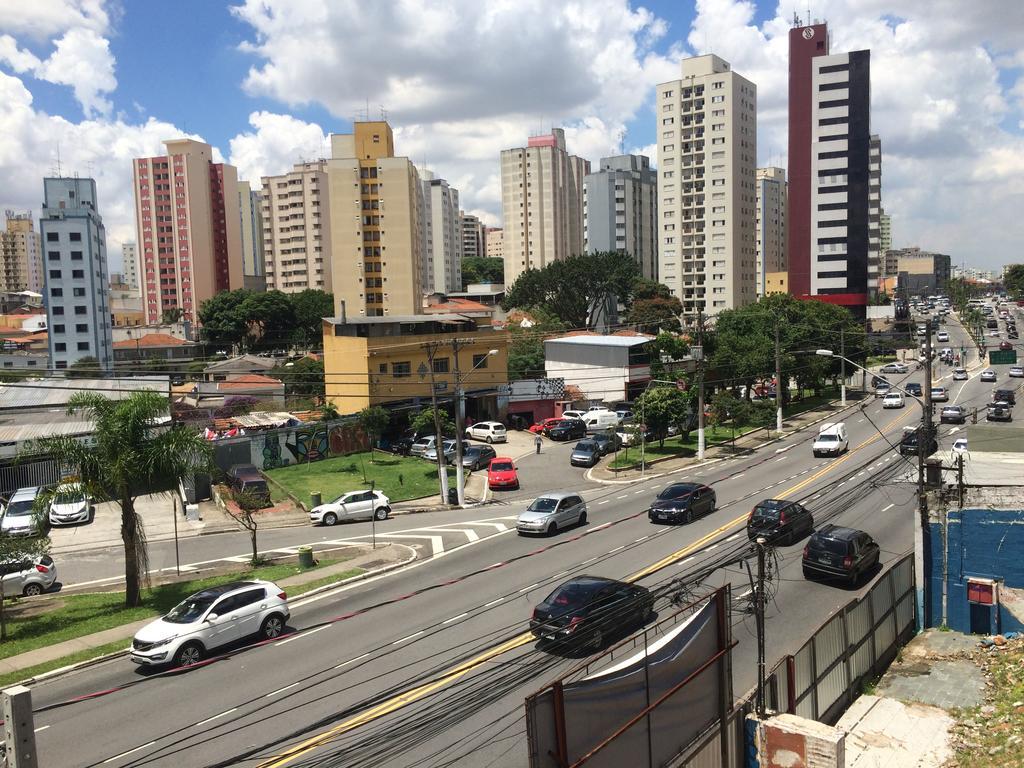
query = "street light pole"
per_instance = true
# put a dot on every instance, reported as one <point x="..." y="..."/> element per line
<point x="842" y="360"/>
<point x="700" y="386"/>
<point x="778" y="379"/>
<point x="460" y="401"/>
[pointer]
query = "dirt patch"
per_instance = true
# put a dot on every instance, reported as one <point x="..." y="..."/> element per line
<point x="19" y="608"/>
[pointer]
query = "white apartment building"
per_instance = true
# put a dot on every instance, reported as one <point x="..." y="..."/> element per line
<point x="707" y="156"/>
<point x="876" y="267"/>
<point x="621" y="210"/>
<point x="130" y="265"/>
<point x="541" y="203"/>
<point x="250" y="220"/>
<point x="295" y="212"/>
<point x="21" y="255"/>
<point x="772" y="199"/>
<point x="441" y="222"/>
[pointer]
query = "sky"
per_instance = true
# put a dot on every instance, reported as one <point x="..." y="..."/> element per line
<point x="91" y="84"/>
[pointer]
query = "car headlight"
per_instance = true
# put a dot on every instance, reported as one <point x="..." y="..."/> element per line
<point x="162" y="643"/>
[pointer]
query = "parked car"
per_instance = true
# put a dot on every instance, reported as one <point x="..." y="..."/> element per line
<point x="586" y="609"/>
<point x="940" y="394"/>
<point x="551" y="512"/>
<point x="1016" y="372"/>
<point x="400" y="446"/>
<point x="834" y="551"/>
<point x="476" y="457"/>
<point x="780" y="521"/>
<point x="1007" y="395"/>
<point x="20" y="517"/>
<point x="893" y="400"/>
<point x="501" y="473"/>
<point x="210" y="619"/>
<point x="953" y="414"/>
<point x="424" y="444"/>
<point x="894" y="367"/>
<point x="988" y="375"/>
<point x="607" y="442"/>
<point x="629" y="434"/>
<point x="70" y="504"/>
<point x="681" y="503"/>
<point x="489" y="431"/>
<point x="246" y="480"/>
<point x="568" y="429"/>
<point x="447" y="448"/>
<point x="913" y="388"/>
<point x="999" y="412"/>
<point x="586" y="454"/>
<point x="597" y="421"/>
<point x="573" y="414"/>
<point x="832" y="440"/>
<point x="354" y="505"/>
<point x="28" y="576"/>
<point x="960" y="374"/>
<point x="542" y="427"/>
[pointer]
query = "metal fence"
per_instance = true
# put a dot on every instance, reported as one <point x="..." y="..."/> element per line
<point x="28" y="474"/>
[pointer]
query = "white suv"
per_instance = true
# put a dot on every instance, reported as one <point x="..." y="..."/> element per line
<point x="491" y="431"/>
<point x="210" y="619"/>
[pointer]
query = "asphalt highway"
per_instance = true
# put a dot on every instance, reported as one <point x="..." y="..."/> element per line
<point x="428" y="666"/>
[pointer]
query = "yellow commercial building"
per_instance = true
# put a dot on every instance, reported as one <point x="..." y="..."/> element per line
<point x="399" y="361"/>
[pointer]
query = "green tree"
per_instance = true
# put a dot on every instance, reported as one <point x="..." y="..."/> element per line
<point x="526" y="345"/>
<point x="644" y="288"/>
<point x="663" y="407"/>
<point x="482" y="269"/>
<point x="223" y="319"/>
<point x="1013" y="279"/>
<point x="173" y="315"/>
<point x="667" y="350"/>
<point x="374" y="420"/>
<point x="302" y="378"/>
<point x="84" y="368"/>
<point x="310" y="307"/>
<point x="18" y="549"/>
<point x="244" y="512"/>
<point x="570" y="288"/>
<point x="269" y="317"/>
<point x="423" y="422"/>
<point x="657" y="314"/>
<point x="128" y="456"/>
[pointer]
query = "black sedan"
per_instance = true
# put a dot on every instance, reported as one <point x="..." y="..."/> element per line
<point x="681" y="503"/>
<point x="586" y="609"/>
<point x="568" y="429"/>
<point x="840" y="552"/>
<point x="779" y="521"/>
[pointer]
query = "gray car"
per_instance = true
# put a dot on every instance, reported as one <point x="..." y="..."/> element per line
<point x="28" y="577"/>
<point x="448" y="447"/>
<point x="477" y="456"/>
<point x="551" y="512"/>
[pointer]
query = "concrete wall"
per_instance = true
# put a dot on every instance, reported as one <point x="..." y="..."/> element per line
<point x="986" y="543"/>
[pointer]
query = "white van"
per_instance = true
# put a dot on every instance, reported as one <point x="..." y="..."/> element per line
<point x="832" y="440"/>
<point x="598" y="421"/>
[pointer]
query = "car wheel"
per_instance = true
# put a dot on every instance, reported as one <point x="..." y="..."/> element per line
<point x="490" y="440"/>
<point x="330" y="519"/>
<point x="808" y="573"/>
<point x="583" y="518"/>
<point x="552" y="529"/>
<point x="272" y="626"/>
<point x="596" y="639"/>
<point x="188" y="654"/>
<point x="32" y="590"/>
<point x="689" y="516"/>
<point x="381" y="513"/>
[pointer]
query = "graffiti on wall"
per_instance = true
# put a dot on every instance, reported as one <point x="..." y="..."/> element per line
<point x="308" y="443"/>
<point x="347" y="438"/>
<point x="272" y="452"/>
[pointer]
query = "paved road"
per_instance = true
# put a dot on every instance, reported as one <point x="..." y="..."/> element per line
<point x="258" y="702"/>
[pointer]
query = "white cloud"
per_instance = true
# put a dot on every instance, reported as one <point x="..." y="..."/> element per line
<point x="44" y="19"/>
<point x="278" y="142"/>
<point x="82" y="60"/>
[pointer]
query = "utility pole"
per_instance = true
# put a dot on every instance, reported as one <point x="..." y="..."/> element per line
<point x="442" y="475"/>
<point x="842" y="362"/>
<point x="759" y="611"/>
<point x="460" y="478"/>
<point x="20" y="736"/>
<point x="924" y="441"/>
<point x="960" y="478"/>
<point x="778" y="379"/>
<point x="700" y="386"/>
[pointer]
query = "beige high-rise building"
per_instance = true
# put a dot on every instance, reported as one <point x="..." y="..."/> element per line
<point x="473" y="233"/>
<point x="376" y="235"/>
<point x="21" y="255"/>
<point x="707" y="154"/>
<point x="772" y="196"/>
<point x="186" y="217"/>
<point x="541" y="203"/>
<point x="296" y="220"/>
<point x="442" y="227"/>
<point x="494" y="242"/>
<point x="130" y="265"/>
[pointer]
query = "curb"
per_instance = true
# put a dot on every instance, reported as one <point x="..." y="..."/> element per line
<point x="60" y="671"/>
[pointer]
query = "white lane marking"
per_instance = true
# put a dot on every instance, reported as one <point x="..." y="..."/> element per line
<point x="782" y="458"/>
<point x="560" y="573"/>
<point x="280" y="690"/>
<point x="351" y="661"/>
<point x="455" y="618"/>
<point x="617" y="549"/>
<point x="42" y="728"/>
<point x="306" y="633"/>
<point x="736" y="477"/>
<point x="499" y="526"/>
<point x="211" y="719"/>
<point x="815" y="496"/>
<point x="713" y="546"/>
<point x="642" y="538"/>
<point x="860" y="421"/>
<point x="733" y="537"/>
<point x="782" y="450"/>
<point x="888" y="459"/>
<point x="889" y="507"/>
<point x="493" y="602"/>
<point x="637" y="493"/>
<point x="841" y="484"/>
<point x="436" y="542"/>
<point x="623" y="496"/>
<point x="410" y="637"/>
<point x="604" y="502"/>
<point x="129" y="752"/>
<point x="527" y="589"/>
<point x="954" y="429"/>
<point x="470" y="533"/>
<point x="684" y="562"/>
<point x="236" y="559"/>
<point x="859" y="473"/>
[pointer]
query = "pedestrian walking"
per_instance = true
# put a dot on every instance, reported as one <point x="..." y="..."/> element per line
<point x="537" y="442"/>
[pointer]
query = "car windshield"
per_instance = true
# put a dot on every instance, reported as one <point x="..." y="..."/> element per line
<point x="828" y="438"/>
<point x="585" y="446"/>
<point x="833" y="546"/>
<point x="20" y="508"/>
<point x="68" y="496"/>
<point x="674" y="492"/>
<point x="564" y="423"/>
<point x="190" y="609"/>
<point x="543" y="504"/>
<point x="572" y="594"/>
<point x="501" y="466"/>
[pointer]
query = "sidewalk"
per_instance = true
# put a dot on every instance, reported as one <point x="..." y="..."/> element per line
<point x="386" y="557"/>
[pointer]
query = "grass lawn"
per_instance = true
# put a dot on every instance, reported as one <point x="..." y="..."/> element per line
<point x="398" y="477"/>
<point x="81" y="615"/>
<point x="674" y="446"/>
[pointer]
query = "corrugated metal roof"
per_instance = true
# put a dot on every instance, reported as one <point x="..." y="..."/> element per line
<point x="264" y="419"/>
<point x="22" y="432"/>
<point x="601" y="341"/>
<point x="50" y="393"/>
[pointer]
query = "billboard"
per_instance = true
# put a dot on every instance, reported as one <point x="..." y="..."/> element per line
<point x="1002" y="357"/>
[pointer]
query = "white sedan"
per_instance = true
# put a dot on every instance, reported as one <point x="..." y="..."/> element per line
<point x="893" y="400"/>
<point x="1016" y="372"/>
<point x="354" y="505"/>
<point x="988" y="375"/>
<point x="960" y="445"/>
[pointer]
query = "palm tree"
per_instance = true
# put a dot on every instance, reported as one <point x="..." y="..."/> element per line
<point x="128" y="456"/>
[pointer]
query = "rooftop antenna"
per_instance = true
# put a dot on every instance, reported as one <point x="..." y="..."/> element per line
<point x="383" y="113"/>
<point x="622" y="138"/>
<point x="58" y="160"/>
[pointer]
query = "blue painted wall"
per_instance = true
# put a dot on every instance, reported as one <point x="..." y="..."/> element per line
<point x="985" y="543"/>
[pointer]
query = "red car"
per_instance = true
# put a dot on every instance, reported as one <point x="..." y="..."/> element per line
<point x="501" y="473"/>
<point x="541" y="427"/>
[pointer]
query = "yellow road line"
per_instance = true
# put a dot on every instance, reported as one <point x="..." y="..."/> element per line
<point x="459" y="671"/>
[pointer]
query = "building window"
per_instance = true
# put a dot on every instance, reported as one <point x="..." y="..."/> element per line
<point x="56" y="291"/>
<point x="53" y="255"/>
<point x="76" y="237"/>
<point x="57" y="310"/>
<point x="81" y="327"/>
<point x="83" y="346"/>
<point x="60" y="346"/>
<point x="55" y="274"/>
<point x="76" y="255"/>
<point x="401" y="370"/>
<point x="480" y="361"/>
<point x="78" y="274"/>
<point x="58" y="329"/>
<point x="80" y="310"/>
<point x="441" y="365"/>
<point x="79" y="292"/>
<point x="52" y="237"/>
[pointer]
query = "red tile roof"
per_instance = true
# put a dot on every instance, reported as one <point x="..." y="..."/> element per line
<point x="249" y="380"/>
<point x="151" y="340"/>
<point x="459" y="305"/>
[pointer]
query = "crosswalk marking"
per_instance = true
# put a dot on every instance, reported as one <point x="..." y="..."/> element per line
<point x="436" y="542"/>
<point x="470" y="533"/>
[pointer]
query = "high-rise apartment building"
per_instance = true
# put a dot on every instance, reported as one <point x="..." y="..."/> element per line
<point x="473" y="236"/>
<point x="707" y="159"/>
<point x="250" y="221"/>
<point x="376" y="201"/>
<point x="541" y="203"/>
<point x="189" y="240"/>
<point x="494" y="242"/>
<point x="620" y="210"/>
<point x="772" y="195"/>
<point x="921" y="273"/>
<point x="885" y="232"/>
<point x="876" y="258"/>
<point x="829" y="169"/>
<point x="21" y="255"/>
<point x="296" y="220"/>
<point x="130" y="265"/>
<point x="77" y="287"/>
<point x="443" y="236"/>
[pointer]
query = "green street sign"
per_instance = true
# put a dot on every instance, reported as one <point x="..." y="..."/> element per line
<point x="1002" y="357"/>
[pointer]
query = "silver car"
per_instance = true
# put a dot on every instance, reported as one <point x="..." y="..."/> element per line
<point x="551" y="512"/>
<point x="447" y="447"/>
<point x="28" y="577"/>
